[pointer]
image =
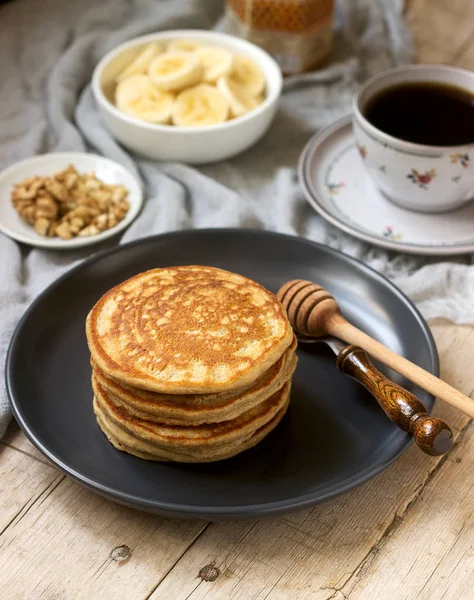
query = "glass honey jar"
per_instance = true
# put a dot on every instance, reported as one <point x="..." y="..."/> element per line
<point x="297" y="33"/>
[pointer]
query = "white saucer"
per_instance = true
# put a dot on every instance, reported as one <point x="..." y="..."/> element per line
<point x="47" y="164"/>
<point x="336" y="184"/>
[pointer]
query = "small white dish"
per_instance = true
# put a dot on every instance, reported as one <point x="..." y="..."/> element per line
<point x="193" y="145"/>
<point x="336" y="184"/>
<point x="46" y="165"/>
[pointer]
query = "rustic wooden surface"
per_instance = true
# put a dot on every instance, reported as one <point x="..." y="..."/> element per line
<point x="407" y="534"/>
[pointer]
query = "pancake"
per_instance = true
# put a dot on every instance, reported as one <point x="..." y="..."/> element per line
<point x="187" y="330"/>
<point x="203" y="442"/>
<point x="192" y="409"/>
<point x="143" y="448"/>
<point x="139" y="449"/>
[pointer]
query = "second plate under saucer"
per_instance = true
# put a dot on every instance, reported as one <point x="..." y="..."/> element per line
<point x="336" y="184"/>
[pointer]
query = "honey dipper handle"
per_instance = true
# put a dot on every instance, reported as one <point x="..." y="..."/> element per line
<point x="339" y="327"/>
<point x="432" y="435"/>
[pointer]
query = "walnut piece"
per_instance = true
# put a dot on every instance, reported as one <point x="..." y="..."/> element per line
<point x="64" y="231"/>
<point x="70" y="204"/>
<point x="42" y="225"/>
<point x="46" y="206"/>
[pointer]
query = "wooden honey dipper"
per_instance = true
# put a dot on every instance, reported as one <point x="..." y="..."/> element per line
<point x="313" y="312"/>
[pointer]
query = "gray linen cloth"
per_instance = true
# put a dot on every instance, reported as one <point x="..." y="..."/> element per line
<point x="48" y="50"/>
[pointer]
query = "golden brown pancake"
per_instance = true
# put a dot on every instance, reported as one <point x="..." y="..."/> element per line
<point x="187" y="330"/>
<point x="145" y="446"/>
<point x="199" y="438"/>
<point x="193" y="409"/>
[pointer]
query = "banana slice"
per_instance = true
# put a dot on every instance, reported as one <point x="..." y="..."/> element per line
<point x="139" y="97"/>
<point x="184" y="46"/>
<point x="248" y="75"/>
<point x="200" y="105"/>
<point x="174" y="71"/>
<point x="240" y="100"/>
<point x="216" y="62"/>
<point x="140" y="64"/>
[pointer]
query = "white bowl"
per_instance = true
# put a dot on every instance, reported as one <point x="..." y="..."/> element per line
<point x="46" y="165"/>
<point x="195" y="145"/>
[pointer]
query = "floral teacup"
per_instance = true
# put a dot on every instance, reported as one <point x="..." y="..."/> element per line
<point x="415" y="176"/>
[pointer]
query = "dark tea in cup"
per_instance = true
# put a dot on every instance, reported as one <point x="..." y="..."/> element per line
<point x="431" y="113"/>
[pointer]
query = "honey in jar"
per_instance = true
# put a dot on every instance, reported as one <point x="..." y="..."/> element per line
<point x="297" y="33"/>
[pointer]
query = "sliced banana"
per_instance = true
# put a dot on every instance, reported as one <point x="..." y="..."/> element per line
<point x="184" y="46"/>
<point x="174" y="71"/>
<point x="202" y="104"/>
<point x="139" y="97"/>
<point x="140" y="64"/>
<point x="248" y="75"/>
<point x="216" y="62"/>
<point x="240" y="100"/>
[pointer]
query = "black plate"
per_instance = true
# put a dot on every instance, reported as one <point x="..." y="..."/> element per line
<point x="333" y="437"/>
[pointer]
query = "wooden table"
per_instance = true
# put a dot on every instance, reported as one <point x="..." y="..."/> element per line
<point x="407" y="534"/>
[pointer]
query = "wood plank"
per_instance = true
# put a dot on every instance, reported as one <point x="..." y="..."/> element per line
<point x="432" y="550"/>
<point x="313" y="553"/>
<point x="23" y="480"/>
<point x="71" y="545"/>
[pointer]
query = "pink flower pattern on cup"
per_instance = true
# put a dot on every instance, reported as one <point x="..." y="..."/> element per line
<point x="460" y="157"/>
<point x="422" y="179"/>
<point x="389" y="233"/>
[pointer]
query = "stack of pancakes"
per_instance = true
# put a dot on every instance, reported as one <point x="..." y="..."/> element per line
<point x="191" y="364"/>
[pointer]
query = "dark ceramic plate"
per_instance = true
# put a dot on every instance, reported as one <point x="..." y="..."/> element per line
<point x="333" y="437"/>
